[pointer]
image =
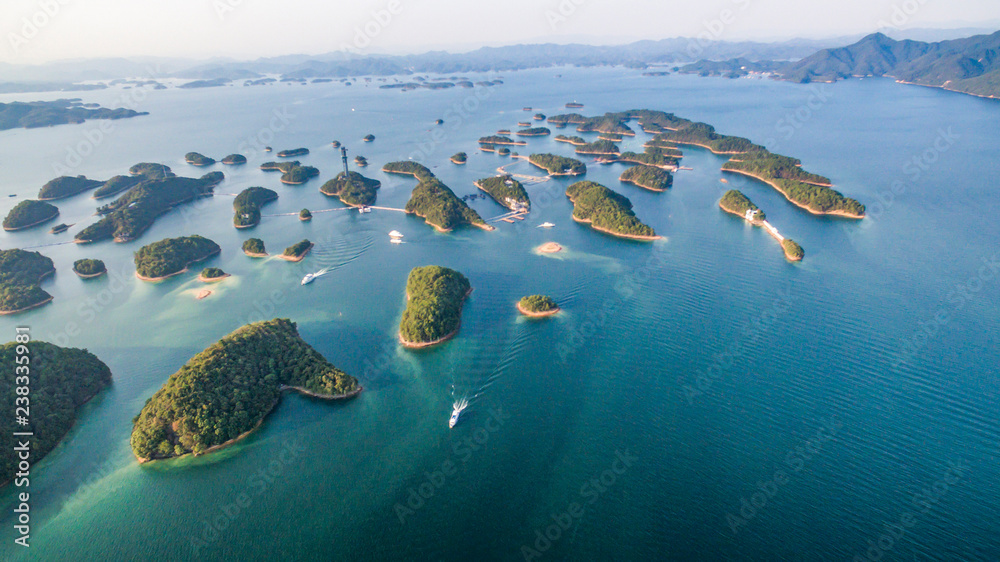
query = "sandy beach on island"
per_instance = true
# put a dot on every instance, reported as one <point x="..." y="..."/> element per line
<point x="89" y="275"/>
<point x="213" y="279"/>
<point x="297" y="258"/>
<point x="256" y="255"/>
<point x="543" y="314"/>
<point x="549" y="248"/>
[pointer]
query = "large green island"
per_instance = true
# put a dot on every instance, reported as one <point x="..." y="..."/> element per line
<point x="35" y="114"/>
<point x="62" y="380"/>
<point x="225" y="392"/>
<point x="435" y="296"/>
<point x="607" y="211"/>
<point x="172" y="256"/>
<point x="557" y="165"/>
<point x="246" y="206"/>
<point x="506" y="191"/>
<point x="66" y="186"/>
<point x="356" y="192"/>
<point x="29" y="213"/>
<point x="21" y="273"/>
<point x="648" y="177"/>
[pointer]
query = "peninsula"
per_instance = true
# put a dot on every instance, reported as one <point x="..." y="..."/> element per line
<point x="172" y="256"/>
<point x="734" y="202"/>
<point x="537" y="306"/>
<point x="118" y="184"/>
<point x="359" y="191"/>
<point x="223" y="393"/>
<point x="607" y="211"/>
<point x="21" y="273"/>
<point x="435" y="296"/>
<point x="29" y="213"/>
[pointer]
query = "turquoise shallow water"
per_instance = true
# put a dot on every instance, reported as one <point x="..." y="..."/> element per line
<point x="706" y="357"/>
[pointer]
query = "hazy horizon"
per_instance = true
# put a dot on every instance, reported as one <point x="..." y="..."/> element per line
<point x="39" y="31"/>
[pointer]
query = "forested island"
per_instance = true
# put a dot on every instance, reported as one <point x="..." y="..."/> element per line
<point x="459" y="158"/>
<point x="151" y="170"/>
<point x="500" y="139"/>
<point x="127" y="217"/>
<point x="434" y="296"/>
<point x="734" y="202"/>
<point x="226" y="391"/>
<point x="292" y="173"/>
<point x="116" y="185"/>
<point x="506" y="191"/>
<point x="534" y="132"/>
<point x="66" y="186"/>
<point x="254" y="247"/>
<point x="211" y="275"/>
<point x="305" y="215"/>
<point x="297" y="252"/>
<point x="89" y="268"/>
<point x="361" y="161"/>
<point x="652" y="157"/>
<point x="356" y="192"/>
<point x="197" y="159"/>
<point x="599" y="147"/>
<point x="293" y="153"/>
<point x="30" y="115"/>
<point x="369" y="138"/>
<point x="574" y="140"/>
<point x="557" y="165"/>
<point x="607" y="211"/>
<point x="29" y="213"/>
<point x="793" y="251"/>
<point x="648" y="177"/>
<point x="234" y="160"/>
<point x="408" y="168"/>
<point x="434" y="201"/>
<point x="537" y="306"/>
<point x="21" y="273"/>
<point x="246" y="206"/>
<point x="566" y="119"/>
<point x="172" y="256"/>
<point x="62" y="380"/>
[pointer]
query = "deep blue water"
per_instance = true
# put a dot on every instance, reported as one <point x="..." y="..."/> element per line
<point x="720" y="371"/>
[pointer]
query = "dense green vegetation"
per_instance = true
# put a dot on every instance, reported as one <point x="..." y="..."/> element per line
<point x="299" y="175"/>
<point x="66" y="186"/>
<point x="460" y="158"/>
<point x="254" y="246"/>
<point x="234" y="159"/>
<point x="572" y="140"/>
<point x="534" y="132"/>
<point x="293" y="153"/>
<point x="172" y="255"/>
<point x="506" y="191"/>
<point x="61" y="380"/>
<point x="650" y="159"/>
<point x="151" y="170"/>
<point x="59" y="112"/>
<point x="246" y="206"/>
<point x="227" y="389"/>
<point x="408" y="167"/>
<point x="610" y="123"/>
<point x="198" y="159"/>
<point x="537" y="303"/>
<point x="29" y="213"/>
<point x="212" y="273"/>
<point x="605" y="209"/>
<point x="117" y="184"/>
<point x="735" y="202"/>
<point x="792" y="249"/>
<point x="298" y="249"/>
<point x="504" y="151"/>
<point x="774" y="166"/>
<point x="434" y="306"/>
<point x="648" y="177"/>
<point x="703" y="134"/>
<point x="558" y="165"/>
<point x="598" y="147"/>
<point x="438" y="205"/>
<point x="785" y="175"/>
<point x="89" y="267"/>
<point x="61" y="227"/>
<point x="131" y="214"/>
<point x="361" y="161"/>
<point x="358" y="191"/>
<point x="305" y="214"/>
<point x="566" y="119"/>
<point x="539" y="117"/>
<point x="499" y="139"/>
<point x="21" y="272"/>
<point x="369" y="138"/>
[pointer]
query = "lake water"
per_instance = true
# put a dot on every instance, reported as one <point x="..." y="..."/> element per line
<point x="699" y="398"/>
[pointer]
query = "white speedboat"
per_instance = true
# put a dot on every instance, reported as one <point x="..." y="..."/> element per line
<point x="546" y="225"/>
<point x="457" y="411"/>
<point x="309" y="278"/>
<point x="396" y="237"/>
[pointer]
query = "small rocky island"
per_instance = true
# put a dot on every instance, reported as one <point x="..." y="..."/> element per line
<point x="89" y="268"/>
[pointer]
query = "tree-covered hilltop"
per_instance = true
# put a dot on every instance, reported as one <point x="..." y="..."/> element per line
<point x="460" y="158"/>
<point x="89" y="267"/>
<point x="305" y="215"/>
<point x="254" y="246"/>
<point x="66" y="186"/>
<point x="567" y="119"/>
<point x="539" y="117"/>
<point x="574" y="140"/>
<point x="230" y="387"/>
<point x="151" y="170"/>
<point x="735" y="202"/>
<point x="437" y="204"/>
<point x="358" y="191"/>
<point x="293" y="153"/>
<point x="369" y="138"/>
<point x="212" y="273"/>
<point x="127" y="217"/>
<point x="793" y="251"/>
<point x="606" y="210"/>
<point x="246" y="206"/>
<point x="171" y="256"/>
<point x="292" y="173"/>
<point x="298" y="249"/>
<point x="598" y="147"/>
<point x="558" y="165"/>
<point x="59" y="112"/>
<point x="434" y="304"/>
<point x="116" y="185"/>
<point x="408" y="168"/>
<point x="506" y="191"/>
<point x="650" y="159"/>
<point x="21" y="272"/>
<point x="610" y="123"/>
<point x="774" y="166"/>
<point x="500" y="139"/>
<point x="234" y="160"/>
<point x="537" y="304"/>
<point x="29" y="213"/>
<point x="704" y="135"/>
<point x="361" y="161"/>
<point x="648" y="177"/>
<point x="198" y="159"/>
<point x="534" y="132"/>
<point x="61" y="381"/>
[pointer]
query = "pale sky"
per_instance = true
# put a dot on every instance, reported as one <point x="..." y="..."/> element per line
<point x="41" y="30"/>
